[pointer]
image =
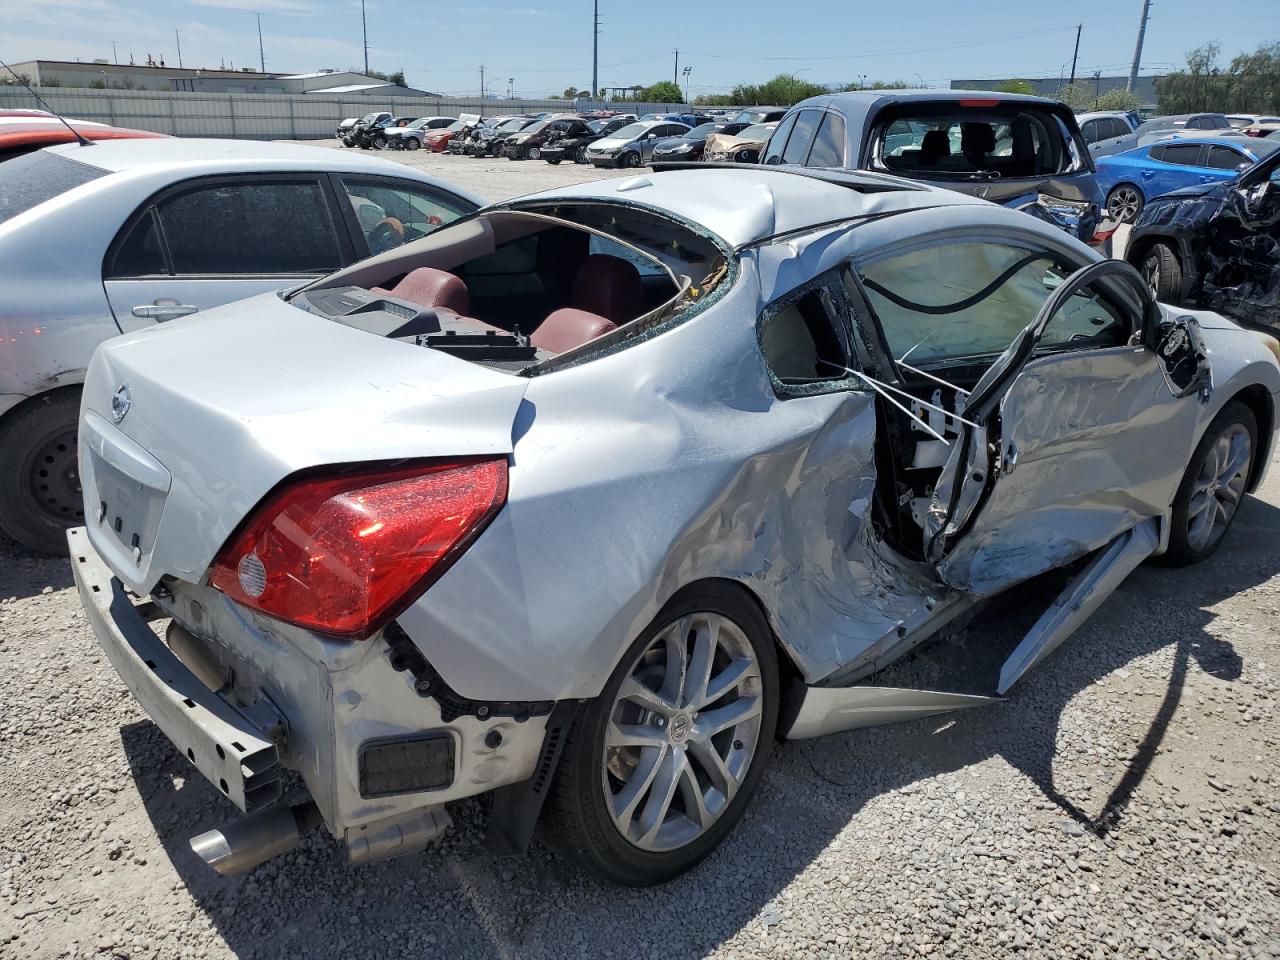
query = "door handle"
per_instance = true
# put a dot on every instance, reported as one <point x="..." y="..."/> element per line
<point x="165" y="308"/>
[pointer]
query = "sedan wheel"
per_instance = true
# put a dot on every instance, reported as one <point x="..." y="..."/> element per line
<point x="412" y="143"/>
<point x="631" y="160"/>
<point x="40" y="483"/>
<point x="1219" y="487"/>
<point x="380" y="142"/>
<point x="1124" y="203"/>
<point x="534" y="153"/>
<point x="660" y="767"/>
<point x="1213" y="486"/>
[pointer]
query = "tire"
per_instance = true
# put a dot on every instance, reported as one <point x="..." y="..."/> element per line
<point x="1162" y="270"/>
<point x="40" y="480"/>
<point x="631" y="160"/>
<point x="1213" y="487"/>
<point x="553" y="162"/>
<point x="1124" y="203"/>
<point x="592" y="774"/>
<point x="412" y="143"/>
<point x="581" y="155"/>
<point x="533" y="153"/>
<point x="379" y="142"/>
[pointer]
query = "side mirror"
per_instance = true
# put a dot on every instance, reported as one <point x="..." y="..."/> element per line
<point x="1182" y="357"/>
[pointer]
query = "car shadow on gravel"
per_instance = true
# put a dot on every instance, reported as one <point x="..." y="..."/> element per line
<point x="457" y="901"/>
<point x="25" y="573"/>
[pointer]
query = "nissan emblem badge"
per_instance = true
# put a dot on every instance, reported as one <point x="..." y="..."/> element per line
<point x="121" y="400"/>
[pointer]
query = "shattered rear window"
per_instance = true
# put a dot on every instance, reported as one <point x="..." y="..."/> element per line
<point x="30" y="180"/>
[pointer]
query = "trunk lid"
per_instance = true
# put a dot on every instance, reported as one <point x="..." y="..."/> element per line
<point x="190" y="424"/>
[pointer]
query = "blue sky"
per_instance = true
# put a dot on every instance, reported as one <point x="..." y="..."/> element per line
<point x="545" y="45"/>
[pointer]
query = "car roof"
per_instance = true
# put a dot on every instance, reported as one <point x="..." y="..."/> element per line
<point x="866" y="97"/>
<point x="1093" y="114"/>
<point x="743" y="203"/>
<point x="121" y="155"/>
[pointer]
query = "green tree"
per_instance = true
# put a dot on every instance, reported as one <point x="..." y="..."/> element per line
<point x="713" y="100"/>
<point x="783" y="90"/>
<point x="1017" y="86"/>
<point x="1201" y="86"/>
<point x="397" y="77"/>
<point x="1255" y="86"/>
<point x="1118" y="99"/>
<point x="664" y="91"/>
<point x="1079" y="96"/>
<point x="572" y="93"/>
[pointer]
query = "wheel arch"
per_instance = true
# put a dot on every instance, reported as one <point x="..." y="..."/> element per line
<point x="44" y="396"/>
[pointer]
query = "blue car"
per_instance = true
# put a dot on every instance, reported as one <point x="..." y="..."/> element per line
<point x="1132" y="178"/>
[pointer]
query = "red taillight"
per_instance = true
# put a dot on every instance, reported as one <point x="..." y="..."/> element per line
<point x="1103" y="232"/>
<point x="343" y="555"/>
<point x="976" y="102"/>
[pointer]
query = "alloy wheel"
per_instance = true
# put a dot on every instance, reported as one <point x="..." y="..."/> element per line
<point x="1123" y="204"/>
<point x="1219" y="487"/>
<point x="682" y="733"/>
<point x="535" y="153"/>
<point x="1151" y="272"/>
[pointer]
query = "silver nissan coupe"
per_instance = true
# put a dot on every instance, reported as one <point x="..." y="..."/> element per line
<point x="587" y="497"/>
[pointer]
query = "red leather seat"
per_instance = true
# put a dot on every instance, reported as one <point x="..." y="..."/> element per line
<point x="432" y="288"/>
<point x="608" y="286"/>
<point x="567" y="328"/>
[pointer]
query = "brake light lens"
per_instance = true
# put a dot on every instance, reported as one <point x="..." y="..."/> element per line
<point x="344" y="555"/>
<point x="979" y="102"/>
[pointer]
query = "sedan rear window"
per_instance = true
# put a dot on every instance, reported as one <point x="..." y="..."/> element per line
<point x="951" y="140"/>
<point x="30" y="180"/>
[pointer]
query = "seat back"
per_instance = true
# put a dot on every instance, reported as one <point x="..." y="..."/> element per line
<point x="608" y="286"/>
<point x="432" y="288"/>
<point x="567" y="328"/>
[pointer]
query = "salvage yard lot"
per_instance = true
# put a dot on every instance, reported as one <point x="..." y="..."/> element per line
<point x="1122" y="802"/>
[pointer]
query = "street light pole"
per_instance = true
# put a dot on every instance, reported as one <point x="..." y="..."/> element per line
<point x="483" y="93"/>
<point x="687" y="71"/>
<point x="178" y="37"/>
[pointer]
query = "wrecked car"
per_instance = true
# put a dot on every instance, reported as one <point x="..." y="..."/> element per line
<point x="128" y="234"/>
<point x="1020" y="151"/>
<point x="409" y="137"/>
<point x="574" y="146"/>
<point x="527" y="143"/>
<point x="1131" y="178"/>
<point x="745" y="146"/>
<point x="488" y="139"/>
<point x="352" y="135"/>
<point x="437" y="140"/>
<point x="1216" y="245"/>
<point x="632" y="146"/>
<point x="693" y="144"/>
<point x="368" y="558"/>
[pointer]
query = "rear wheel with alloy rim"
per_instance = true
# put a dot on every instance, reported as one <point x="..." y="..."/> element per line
<point x="631" y="160"/>
<point x="659" y="767"/>
<point x="40" y="479"/>
<point x="412" y="143"/>
<point x="1163" y="273"/>
<point x="1124" y="203"/>
<point x="1213" y="486"/>
<point x="580" y="156"/>
<point x="534" y="153"/>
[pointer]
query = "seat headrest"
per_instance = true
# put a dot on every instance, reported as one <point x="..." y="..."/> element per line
<point x="608" y="286"/>
<point x="429" y="287"/>
<point x="935" y="144"/>
<point x="977" y="137"/>
<point x="567" y="328"/>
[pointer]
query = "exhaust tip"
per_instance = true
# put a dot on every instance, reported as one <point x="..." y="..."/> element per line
<point x="240" y="845"/>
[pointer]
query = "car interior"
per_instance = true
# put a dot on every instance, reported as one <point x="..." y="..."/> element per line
<point x="927" y="325"/>
<point x="1010" y="142"/>
<point x="514" y="288"/>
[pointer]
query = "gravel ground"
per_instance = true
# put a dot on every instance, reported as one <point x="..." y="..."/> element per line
<point x="1122" y="802"/>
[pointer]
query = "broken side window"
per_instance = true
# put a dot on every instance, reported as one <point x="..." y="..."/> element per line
<point x="805" y="341"/>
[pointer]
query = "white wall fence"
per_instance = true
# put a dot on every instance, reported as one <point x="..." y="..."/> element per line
<point x="271" y="116"/>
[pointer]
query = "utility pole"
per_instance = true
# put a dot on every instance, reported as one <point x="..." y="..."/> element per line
<point x="595" y="49"/>
<point x="1137" y="49"/>
<point x="675" y="73"/>
<point x="482" y="89"/>
<point x="364" y="31"/>
<point x="262" y="57"/>
<point x="1079" y="27"/>
<point x="179" y="39"/>
<point x="687" y="71"/>
<point x="1097" y="87"/>
<point x="115" y="57"/>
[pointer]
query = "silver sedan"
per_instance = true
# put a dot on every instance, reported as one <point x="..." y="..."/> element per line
<point x="122" y="235"/>
<point x="585" y="498"/>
